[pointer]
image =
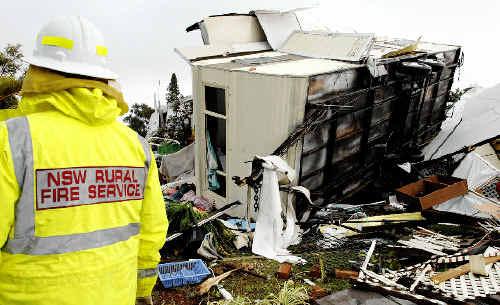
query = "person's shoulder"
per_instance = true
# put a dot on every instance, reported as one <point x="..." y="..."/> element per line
<point x="123" y="128"/>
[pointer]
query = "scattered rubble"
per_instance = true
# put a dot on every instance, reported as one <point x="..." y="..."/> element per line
<point x="387" y="215"/>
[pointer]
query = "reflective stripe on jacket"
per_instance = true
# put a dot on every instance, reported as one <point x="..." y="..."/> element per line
<point x="83" y="216"/>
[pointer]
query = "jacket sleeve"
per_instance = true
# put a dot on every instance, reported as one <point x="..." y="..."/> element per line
<point x="154" y="225"/>
<point x="9" y="188"/>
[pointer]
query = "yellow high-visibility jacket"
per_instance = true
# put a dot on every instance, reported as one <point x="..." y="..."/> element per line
<point x="82" y="217"/>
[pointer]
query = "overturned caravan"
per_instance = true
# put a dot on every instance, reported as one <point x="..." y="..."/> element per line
<point x="328" y="118"/>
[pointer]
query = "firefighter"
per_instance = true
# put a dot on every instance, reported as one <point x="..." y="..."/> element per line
<point x="82" y="212"/>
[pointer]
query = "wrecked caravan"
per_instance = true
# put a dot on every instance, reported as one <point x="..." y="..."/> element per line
<point x="332" y="120"/>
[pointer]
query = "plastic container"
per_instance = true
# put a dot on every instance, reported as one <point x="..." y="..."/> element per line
<point x="183" y="273"/>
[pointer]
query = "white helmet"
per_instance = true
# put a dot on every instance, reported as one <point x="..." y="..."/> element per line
<point x="72" y="45"/>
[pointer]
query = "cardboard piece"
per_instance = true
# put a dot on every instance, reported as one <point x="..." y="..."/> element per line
<point x="431" y="191"/>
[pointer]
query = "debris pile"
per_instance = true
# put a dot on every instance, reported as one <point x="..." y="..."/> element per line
<point x="363" y="184"/>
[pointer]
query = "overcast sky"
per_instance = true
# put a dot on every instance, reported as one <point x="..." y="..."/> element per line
<point x="141" y="35"/>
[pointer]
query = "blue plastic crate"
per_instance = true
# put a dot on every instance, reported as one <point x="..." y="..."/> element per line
<point x="183" y="273"/>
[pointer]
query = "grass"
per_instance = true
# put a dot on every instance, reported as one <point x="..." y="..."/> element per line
<point x="289" y="294"/>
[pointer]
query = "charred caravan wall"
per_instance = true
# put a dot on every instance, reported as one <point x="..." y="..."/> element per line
<point x="367" y="116"/>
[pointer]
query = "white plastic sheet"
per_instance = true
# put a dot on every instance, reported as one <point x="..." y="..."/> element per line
<point x="270" y="239"/>
<point x="180" y="163"/>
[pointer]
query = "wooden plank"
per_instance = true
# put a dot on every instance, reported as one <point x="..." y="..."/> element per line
<point x="455" y="272"/>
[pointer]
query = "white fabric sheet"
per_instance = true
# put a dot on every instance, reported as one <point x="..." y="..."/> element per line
<point x="270" y="239"/>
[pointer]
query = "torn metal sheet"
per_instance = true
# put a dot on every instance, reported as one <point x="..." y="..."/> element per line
<point x="475" y="119"/>
<point x="278" y="26"/>
<point x="231" y="29"/>
<point x="351" y="47"/>
<point x="190" y="54"/>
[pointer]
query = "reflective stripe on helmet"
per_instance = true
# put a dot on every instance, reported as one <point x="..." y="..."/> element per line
<point x="101" y="50"/>
<point x="60" y="42"/>
<point x="143" y="273"/>
<point x="25" y="241"/>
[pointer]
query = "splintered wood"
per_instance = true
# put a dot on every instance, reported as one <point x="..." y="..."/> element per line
<point x="455" y="284"/>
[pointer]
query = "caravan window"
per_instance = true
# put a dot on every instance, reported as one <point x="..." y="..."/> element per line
<point x="215" y="100"/>
<point x="216" y="132"/>
<point x="215" y="139"/>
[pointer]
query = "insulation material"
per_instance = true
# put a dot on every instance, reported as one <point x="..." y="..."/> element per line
<point x="338" y="46"/>
<point x="270" y="240"/>
<point x="409" y="48"/>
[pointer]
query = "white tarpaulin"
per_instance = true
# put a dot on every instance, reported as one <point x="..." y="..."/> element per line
<point x="270" y="239"/>
<point x="475" y="119"/>
<point x="477" y="171"/>
<point x="178" y="164"/>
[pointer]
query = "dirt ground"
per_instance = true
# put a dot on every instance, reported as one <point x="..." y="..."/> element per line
<point x="253" y="287"/>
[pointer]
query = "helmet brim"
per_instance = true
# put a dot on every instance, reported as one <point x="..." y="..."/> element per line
<point x="71" y="67"/>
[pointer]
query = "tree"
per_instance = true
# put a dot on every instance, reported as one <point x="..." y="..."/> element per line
<point x="455" y="95"/>
<point x="138" y="118"/>
<point x="11" y="61"/>
<point x="11" y="74"/>
<point x="178" y="123"/>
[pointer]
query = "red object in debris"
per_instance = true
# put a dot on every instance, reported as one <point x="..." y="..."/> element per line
<point x="315" y="272"/>
<point x="317" y="292"/>
<point x="346" y="274"/>
<point x="284" y="271"/>
<point x="498" y="188"/>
